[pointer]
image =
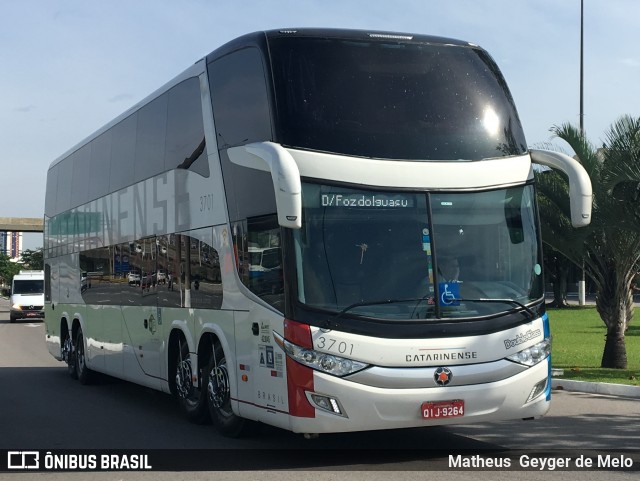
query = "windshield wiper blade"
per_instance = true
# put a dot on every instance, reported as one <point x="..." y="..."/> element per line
<point x="327" y="323"/>
<point x="513" y="302"/>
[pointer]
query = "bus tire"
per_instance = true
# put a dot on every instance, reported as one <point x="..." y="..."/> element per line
<point x="84" y="374"/>
<point x="192" y="400"/>
<point x="69" y="355"/>
<point x="219" y="397"/>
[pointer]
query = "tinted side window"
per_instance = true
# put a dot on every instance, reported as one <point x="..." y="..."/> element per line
<point x="100" y="158"/>
<point x="185" y="145"/>
<point x="81" y="175"/>
<point x="65" y="174"/>
<point x="189" y="270"/>
<point x="122" y="153"/>
<point x="258" y="247"/>
<point x="249" y="191"/>
<point x="240" y="98"/>
<point x="175" y="270"/>
<point x="150" y="138"/>
<point x="52" y="186"/>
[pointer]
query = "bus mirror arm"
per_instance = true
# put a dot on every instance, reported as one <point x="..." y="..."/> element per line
<point x="273" y="158"/>
<point x="580" y="192"/>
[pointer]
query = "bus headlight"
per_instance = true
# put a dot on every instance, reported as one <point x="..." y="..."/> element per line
<point x="320" y="361"/>
<point x="16" y="307"/>
<point x="533" y="354"/>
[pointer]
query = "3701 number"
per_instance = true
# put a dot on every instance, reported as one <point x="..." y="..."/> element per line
<point x="334" y="345"/>
<point x="206" y="202"/>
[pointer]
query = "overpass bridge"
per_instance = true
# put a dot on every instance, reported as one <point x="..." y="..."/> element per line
<point x="21" y="224"/>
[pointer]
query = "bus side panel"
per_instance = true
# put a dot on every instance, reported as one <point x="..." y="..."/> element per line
<point x="111" y="341"/>
<point x="261" y="367"/>
<point x="51" y="317"/>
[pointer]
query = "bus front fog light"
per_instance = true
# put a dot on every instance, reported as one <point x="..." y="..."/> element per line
<point x="538" y="389"/>
<point x="326" y="403"/>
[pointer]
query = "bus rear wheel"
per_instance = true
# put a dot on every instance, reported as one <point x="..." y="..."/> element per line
<point x="69" y="356"/>
<point x="219" y="397"/>
<point x="192" y="399"/>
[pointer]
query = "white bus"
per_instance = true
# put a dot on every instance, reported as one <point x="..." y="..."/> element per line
<point x="391" y="173"/>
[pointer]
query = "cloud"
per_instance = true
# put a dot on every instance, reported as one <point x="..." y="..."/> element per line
<point x="120" y="98"/>
<point x="630" y="62"/>
<point x="25" y="109"/>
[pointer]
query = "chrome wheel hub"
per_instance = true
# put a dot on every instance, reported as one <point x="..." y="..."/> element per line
<point x="184" y="383"/>
<point x="218" y="386"/>
<point x="67" y="349"/>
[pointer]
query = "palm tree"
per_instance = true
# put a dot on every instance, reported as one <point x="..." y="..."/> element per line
<point x="610" y="245"/>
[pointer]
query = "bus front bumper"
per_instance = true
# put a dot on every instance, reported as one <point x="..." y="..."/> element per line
<point x="371" y="408"/>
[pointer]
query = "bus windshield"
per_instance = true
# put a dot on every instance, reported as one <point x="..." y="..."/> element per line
<point x="392" y="100"/>
<point x="381" y="255"/>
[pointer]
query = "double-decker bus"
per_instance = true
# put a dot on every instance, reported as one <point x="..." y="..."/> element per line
<point x="387" y="177"/>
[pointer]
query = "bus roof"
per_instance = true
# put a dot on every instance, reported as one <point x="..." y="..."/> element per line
<point x="258" y="38"/>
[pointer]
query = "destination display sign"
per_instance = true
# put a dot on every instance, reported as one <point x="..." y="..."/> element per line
<point x="366" y="200"/>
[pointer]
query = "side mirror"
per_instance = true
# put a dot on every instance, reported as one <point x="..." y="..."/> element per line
<point x="273" y="158"/>
<point x="580" y="192"/>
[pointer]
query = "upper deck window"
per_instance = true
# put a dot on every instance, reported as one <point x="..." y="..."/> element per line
<point x="393" y="100"/>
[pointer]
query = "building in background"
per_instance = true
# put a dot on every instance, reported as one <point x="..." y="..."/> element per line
<point x="11" y="244"/>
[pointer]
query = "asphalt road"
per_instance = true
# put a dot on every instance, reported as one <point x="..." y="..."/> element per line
<point x="42" y="408"/>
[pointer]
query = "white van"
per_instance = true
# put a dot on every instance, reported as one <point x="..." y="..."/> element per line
<point x="27" y="295"/>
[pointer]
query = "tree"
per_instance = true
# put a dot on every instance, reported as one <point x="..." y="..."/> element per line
<point x="7" y="269"/>
<point x="557" y="267"/>
<point x="610" y="245"/>
<point x="33" y="259"/>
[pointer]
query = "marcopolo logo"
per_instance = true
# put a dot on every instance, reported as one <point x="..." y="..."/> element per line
<point x="522" y="338"/>
<point x="442" y="376"/>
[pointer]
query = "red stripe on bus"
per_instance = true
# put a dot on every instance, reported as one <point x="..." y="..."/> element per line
<point x="299" y="380"/>
<point x="299" y="377"/>
<point x="299" y="334"/>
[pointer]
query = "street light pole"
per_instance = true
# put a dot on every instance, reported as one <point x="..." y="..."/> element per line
<point x="582" y="67"/>
<point x="582" y="283"/>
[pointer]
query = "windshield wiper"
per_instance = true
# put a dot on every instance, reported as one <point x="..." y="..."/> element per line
<point x="327" y="323"/>
<point x="531" y="315"/>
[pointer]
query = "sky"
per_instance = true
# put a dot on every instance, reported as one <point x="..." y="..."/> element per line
<point x="67" y="67"/>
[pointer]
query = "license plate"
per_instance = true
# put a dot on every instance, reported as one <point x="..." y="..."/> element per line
<point x="32" y="314"/>
<point x="443" y="409"/>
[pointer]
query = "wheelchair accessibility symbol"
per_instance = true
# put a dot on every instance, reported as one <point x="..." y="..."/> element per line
<point x="449" y="293"/>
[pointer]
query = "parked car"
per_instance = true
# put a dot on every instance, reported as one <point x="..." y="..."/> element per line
<point x="134" y="278"/>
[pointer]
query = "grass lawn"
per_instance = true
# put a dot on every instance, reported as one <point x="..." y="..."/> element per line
<point x="578" y="342"/>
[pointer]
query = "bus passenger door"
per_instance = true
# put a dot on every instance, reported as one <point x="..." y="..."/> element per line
<point x="142" y="329"/>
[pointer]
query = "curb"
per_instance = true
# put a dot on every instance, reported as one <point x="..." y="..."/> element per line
<point x="621" y="390"/>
